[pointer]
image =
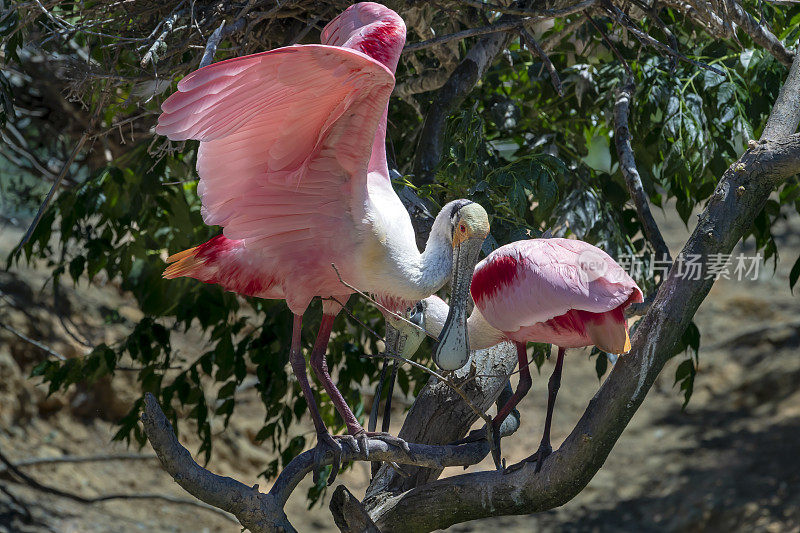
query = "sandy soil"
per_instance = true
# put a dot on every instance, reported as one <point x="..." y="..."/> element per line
<point x="729" y="461"/>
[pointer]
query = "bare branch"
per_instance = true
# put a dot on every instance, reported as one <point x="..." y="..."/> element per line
<point x="505" y="23"/>
<point x="785" y="115"/>
<point x="534" y="48"/>
<point x="152" y="52"/>
<point x="530" y="12"/>
<point x="53" y="189"/>
<point x="497" y="27"/>
<point x="438" y="416"/>
<point x="256" y="511"/>
<point x="627" y="164"/>
<point x="619" y="16"/>
<point x="348" y="513"/>
<point x="211" y="45"/>
<point x="760" y="34"/>
<point x="36" y="343"/>
<point x="65" y="168"/>
<point x="31" y="482"/>
<point x="461" y="81"/>
<point x="80" y="459"/>
<point x="261" y="512"/>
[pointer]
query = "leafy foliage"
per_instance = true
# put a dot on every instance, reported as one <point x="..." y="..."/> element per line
<point x="538" y="162"/>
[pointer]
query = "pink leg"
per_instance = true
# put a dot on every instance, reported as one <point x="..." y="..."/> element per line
<point x="545" y="448"/>
<point x="320" y="367"/>
<point x="522" y="389"/>
<point x="325" y="441"/>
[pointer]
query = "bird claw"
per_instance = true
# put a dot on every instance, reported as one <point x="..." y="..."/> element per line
<point x="541" y="454"/>
<point x="492" y="435"/>
<point x="494" y="440"/>
<point x="363" y="436"/>
<point x="325" y="444"/>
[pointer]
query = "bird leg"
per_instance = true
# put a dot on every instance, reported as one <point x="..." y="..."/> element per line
<point x="545" y="448"/>
<point x="357" y="436"/>
<point x="325" y="442"/>
<point x="494" y="431"/>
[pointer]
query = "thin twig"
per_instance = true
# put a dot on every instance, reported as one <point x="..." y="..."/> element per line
<point x="24" y="478"/>
<point x="387" y="355"/>
<point x="380" y="306"/>
<point x="610" y="44"/>
<point x="471" y="32"/>
<point x="53" y="189"/>
<point x="152" y="52"/>
<point x="619" y="16"/>
<point x="38" y="344"/>
<point x="534" y="48"/>
<point x="65" y="168"/>
<point x="627" y="165"/>
<point x="528" y="12"/>
<point x="81" y="459"/>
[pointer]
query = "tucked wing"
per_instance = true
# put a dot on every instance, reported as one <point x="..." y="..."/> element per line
<point x="286" y="138"/>
<point x="527" y="282"/>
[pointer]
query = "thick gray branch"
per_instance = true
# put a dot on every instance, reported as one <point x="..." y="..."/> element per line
<point x="785" y="115"/>
<point x="261" y="512"/>
<point x="439" y="416"/>
<point x="348" y="513"/>
<point x="760" y="34"/>
<point x="627" y="163"/>
<point x="256" y="511"/>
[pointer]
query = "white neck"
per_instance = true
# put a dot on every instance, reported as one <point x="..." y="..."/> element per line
<point x="481" y="333"/>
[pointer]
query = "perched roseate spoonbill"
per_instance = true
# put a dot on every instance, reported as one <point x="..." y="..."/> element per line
<point x="558" y="291"/>
<point x="292" y="164"/>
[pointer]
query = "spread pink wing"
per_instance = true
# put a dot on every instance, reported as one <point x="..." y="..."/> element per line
<point x="527" y="282"/>
<point x="286" y="138"/>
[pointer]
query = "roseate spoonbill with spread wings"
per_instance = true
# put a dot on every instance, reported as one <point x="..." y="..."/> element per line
<point x="557" y="291"/>
<point x="292" y="164"/>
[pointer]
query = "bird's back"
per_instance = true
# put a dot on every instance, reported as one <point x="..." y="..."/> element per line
<point x="561" y="291"/>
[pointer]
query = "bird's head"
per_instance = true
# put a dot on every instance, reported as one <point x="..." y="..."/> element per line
<point x="370" y="28"/>
<point x="470" y="226"/>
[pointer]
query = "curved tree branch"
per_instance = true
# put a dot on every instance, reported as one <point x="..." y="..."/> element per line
<point x="760" y="34"/>
<point x="627" y="164"/>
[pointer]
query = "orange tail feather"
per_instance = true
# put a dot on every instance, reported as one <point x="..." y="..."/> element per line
<point x="183" y="264"/>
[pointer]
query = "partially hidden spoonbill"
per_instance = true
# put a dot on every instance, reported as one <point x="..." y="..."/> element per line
<point x="292" y="165"/>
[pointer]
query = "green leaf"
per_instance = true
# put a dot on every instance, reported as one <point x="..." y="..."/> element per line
<point x="794" y="275"/>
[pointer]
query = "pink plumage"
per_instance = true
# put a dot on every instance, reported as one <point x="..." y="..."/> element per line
<point x="288" y="138"/>
<point x="559" y="291"/>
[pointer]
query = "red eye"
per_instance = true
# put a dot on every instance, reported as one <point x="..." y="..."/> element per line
<point x="462" y="228"/>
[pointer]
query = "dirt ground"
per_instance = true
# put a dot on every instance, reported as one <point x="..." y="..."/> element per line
<point x="727" y="462"/>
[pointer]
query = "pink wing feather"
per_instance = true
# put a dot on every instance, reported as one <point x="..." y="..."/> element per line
<point x="528" y="282"/>
<point x="286" y="143"/>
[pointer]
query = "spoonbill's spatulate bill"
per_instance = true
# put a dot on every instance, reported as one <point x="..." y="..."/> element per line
<point x="292" y="165"/>
<point x="557" y="291"/>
